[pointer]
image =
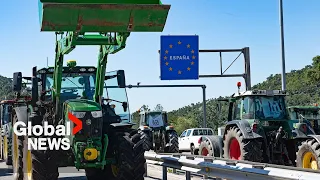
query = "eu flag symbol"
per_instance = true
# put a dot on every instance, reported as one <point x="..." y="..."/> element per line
<point x="179" y="57"/>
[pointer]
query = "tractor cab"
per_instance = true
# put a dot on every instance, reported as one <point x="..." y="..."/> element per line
<point x="263" y="105"/>
<point x="5" y="112"/>
<point x="78" y="82"/>
<point x="153" y="119"/>
<point x="307" y="114"/>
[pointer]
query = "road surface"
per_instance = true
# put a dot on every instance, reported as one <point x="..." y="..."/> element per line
<point x="70" y="173"/>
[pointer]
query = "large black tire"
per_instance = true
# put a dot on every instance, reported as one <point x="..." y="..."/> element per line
<point x="236" y="147"/>
<point x="7" y="154"/>
<point x="1" y="147"/>
<point x="307" y="150"/>
<point x="193" y="150"/>
<point x="211" y="146"/>
<point x="147" y="139"/>
<point x="173" y="141"/>
<point x="17" y="153"/>
<point x="44" y="165"/>
<point x="128" y="150"/>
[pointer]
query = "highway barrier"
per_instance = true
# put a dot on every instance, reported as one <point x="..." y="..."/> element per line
<point x="228" y="169"/>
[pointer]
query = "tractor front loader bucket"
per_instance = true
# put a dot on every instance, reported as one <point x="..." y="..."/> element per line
<point x="102" y="15"/>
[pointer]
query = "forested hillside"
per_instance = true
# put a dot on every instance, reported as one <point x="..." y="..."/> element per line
<point x="5" y="88"/>
<point x="302" y="87"/>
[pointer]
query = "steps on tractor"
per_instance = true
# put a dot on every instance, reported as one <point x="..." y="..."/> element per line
<point x="103" y="15"/>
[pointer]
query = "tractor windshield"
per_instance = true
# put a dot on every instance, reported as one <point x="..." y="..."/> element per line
<point x="308" y="114"/>
<point x="264" y="107"/>
<point x="5" y="114"/>
<point x="74" y="85"/>
<point x="119" y="95"/>
<point x="155" y="119"/>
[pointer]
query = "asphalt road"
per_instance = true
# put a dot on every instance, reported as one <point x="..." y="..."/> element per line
<point x="70" y="173"/>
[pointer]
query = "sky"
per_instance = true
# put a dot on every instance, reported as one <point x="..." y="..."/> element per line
<point x="220" y="24"/>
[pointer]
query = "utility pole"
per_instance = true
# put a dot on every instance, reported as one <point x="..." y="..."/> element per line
<point x="283" y="73"/>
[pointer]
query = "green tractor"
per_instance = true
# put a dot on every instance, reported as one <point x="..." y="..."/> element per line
<point x="259" y="129"/>
<point x="308" y="114"/>
<point x="6" y="124"/>
<point x="104" y="143"/>
<point x="158" y="135"/>
<point x="6" y="128"/>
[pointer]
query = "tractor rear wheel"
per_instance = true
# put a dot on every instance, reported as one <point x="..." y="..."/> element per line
<point x="173" y="147"/>
<point x="308" y="155"/>
<point x="237" y="148"/>
<point x="147" y="140"/>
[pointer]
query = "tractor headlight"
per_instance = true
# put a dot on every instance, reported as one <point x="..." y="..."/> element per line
<point x="79" y="114"/>
<point x="96" y="114"/>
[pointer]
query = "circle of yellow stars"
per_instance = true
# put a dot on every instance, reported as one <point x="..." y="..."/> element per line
<point x="166" y="58"/>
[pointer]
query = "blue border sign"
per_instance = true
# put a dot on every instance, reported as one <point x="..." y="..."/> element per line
<point x="179" y="57"/>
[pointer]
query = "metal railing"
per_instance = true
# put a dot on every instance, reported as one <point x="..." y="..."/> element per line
<point x="227" y="169"/>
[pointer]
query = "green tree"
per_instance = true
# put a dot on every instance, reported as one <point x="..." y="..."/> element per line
<point x="158" y="107"/>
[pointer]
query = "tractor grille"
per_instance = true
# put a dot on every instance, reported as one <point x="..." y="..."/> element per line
<point x="92" y="130"/>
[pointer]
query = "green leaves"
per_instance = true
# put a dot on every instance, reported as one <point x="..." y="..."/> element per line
<point x="6" y="88"/>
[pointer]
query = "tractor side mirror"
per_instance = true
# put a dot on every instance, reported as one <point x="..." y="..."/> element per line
<point x="17" y="81"/>
<point x="34" y="91"/>
<point x="121" y="79"/>
<point x="125" y="106"/>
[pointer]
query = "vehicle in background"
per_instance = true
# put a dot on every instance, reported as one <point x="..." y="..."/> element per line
<point x="157" y="134"/>
<point x="190" y="139"/>
<point x="259" y="129"/>
<point x="307" y="114"/>
<point x="6" y="128"/>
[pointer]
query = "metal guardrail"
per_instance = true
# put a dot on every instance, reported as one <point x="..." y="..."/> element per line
<point x="228" y="169"/>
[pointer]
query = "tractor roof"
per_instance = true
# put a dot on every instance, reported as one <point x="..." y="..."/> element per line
<point x="261" y="93"/>
<point x="147" y="112"/>
<point x="7" y="101"/>
<point x="314" y="108"/>
<point x="77" y="69"/>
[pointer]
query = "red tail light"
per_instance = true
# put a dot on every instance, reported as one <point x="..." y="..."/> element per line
<point x="254" y="127"/>
<point x="199" y="140"/>
<point x="304" y="128"/>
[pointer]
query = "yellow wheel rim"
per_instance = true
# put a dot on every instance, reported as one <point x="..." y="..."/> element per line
<point x="309" y="161"/>
<point x="115" y="170"/>
<point x="5" y="147"/>
<point x="29" y="165"/>
<point x="15" y="151"/>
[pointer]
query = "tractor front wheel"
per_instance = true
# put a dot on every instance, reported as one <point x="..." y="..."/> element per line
<point x="44" y="165"/>
<point x="147" y="140"/>
<point x="211" y="146"/>
<point x="17" y="153"/>
<point x="308" y="155"/>
<point x="173" y="147"/>
<point x="127" y="149"/>
<point x="130" y="159"/>
<point x="237" y="148"/>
